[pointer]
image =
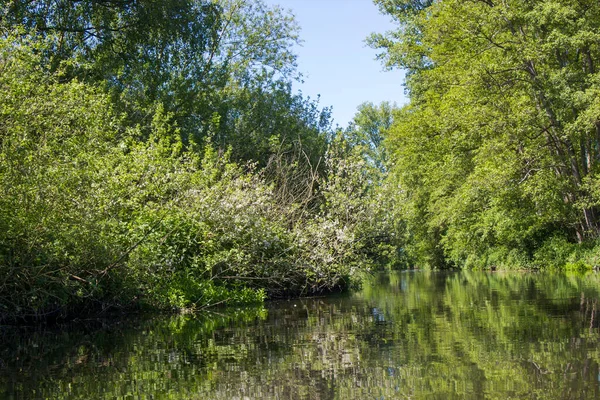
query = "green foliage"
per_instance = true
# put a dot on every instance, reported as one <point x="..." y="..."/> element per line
<point x="154" y="154"/>
<point x="200" y="59"/>
<point x="358" y="200"/>
<point x="92" y="217"/>
<point x="497" y="152"/>
<point x="368" y="129"/>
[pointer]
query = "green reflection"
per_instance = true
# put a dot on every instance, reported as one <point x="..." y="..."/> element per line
<point x="434" y="335"/>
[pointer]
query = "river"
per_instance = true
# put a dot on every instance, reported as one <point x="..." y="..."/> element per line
<point x="404" y="335"/>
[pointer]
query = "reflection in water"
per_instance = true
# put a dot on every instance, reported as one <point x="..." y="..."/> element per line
<point x="407" y="335"/>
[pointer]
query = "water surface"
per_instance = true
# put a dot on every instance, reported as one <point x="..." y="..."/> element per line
<point x="408" y="335"/>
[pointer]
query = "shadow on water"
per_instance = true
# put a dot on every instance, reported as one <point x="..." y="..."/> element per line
<point x="414" y="334"/>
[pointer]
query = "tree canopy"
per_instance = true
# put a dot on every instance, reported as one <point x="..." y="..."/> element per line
<point x="207" y="62"/>
<point x="496" y="155"/>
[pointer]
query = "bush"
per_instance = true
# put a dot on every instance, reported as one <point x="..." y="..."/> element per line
<point x="95" y="215"/>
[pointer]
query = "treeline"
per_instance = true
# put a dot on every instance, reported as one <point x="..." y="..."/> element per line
<point x="497" y="156"/>
<point x="154" y="154"/>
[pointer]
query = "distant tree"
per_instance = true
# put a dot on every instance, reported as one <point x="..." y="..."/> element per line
<point x="368" y="129"/>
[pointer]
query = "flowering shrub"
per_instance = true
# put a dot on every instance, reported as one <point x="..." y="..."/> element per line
<point x="95" y="215"/>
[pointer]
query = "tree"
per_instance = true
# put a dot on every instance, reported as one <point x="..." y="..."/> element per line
<point x="368" y="129"/>
<point x="498" y="150"/>
<point x="206" y="62"/>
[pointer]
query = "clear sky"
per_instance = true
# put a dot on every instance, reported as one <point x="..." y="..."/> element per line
<point x="334" y="58"/>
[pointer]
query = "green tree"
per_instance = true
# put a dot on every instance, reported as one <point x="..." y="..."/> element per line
<point x="216" y="66"/>
<point x="498" y="149"/>
<point x="368" y="129"/>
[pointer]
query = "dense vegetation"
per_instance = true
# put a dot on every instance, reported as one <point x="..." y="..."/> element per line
<point x="496" y="158"/>
<point x="154" y="153"/>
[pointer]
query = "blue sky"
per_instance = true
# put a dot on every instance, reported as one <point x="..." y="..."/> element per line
<point x="334" y="58"/>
